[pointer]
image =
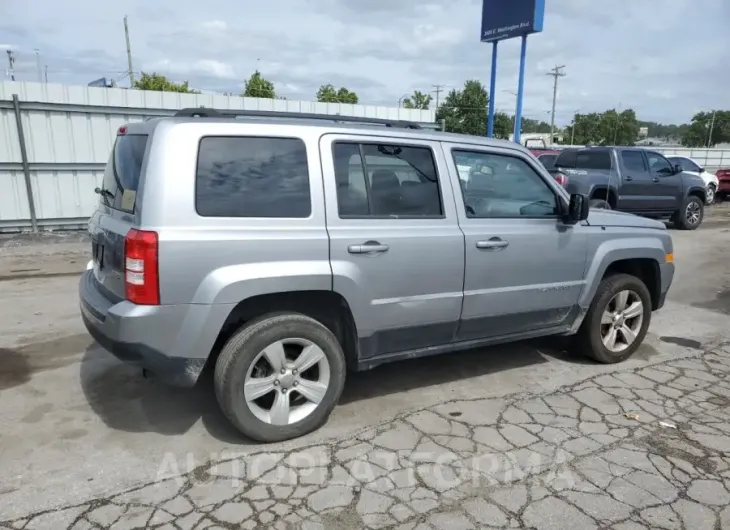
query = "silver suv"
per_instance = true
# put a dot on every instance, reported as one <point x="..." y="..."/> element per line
<point x="282" y="250"/>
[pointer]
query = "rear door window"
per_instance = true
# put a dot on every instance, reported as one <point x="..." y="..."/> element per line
<point x="123" y="170"/>
<point x="633" y="160"/>
<point x="246" y="176"/>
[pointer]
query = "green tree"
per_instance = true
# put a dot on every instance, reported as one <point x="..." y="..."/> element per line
<point x="504" y="125"/>
<point x="661" y="130"/>
<point x="329" y="94"/>
<point x="603" y="128"/>
<point x="698" y="132"/>
<point x="258" y="87"/>
<point x="465" y="110"/>
<point x="418" y="100"/>
<point x="534" y="126"/>
<point x="160" y="83"/>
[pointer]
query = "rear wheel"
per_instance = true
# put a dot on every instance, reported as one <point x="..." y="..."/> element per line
<point x="690" y="216"/>
<point x="280" y="377"/>
<point x="710" y="198"/>
<point x="617" y="319"/>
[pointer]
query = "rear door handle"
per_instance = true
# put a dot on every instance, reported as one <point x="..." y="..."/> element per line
<point x="494" y="243"/>
<point x="369" y="247"/>
<point x="655" y="179"/>
<point x="628" y="178"/>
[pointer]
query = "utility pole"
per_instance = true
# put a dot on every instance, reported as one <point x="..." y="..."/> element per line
<point x="46" y="73"/>
<point x="555" y="72"/>
<point x="712" y="126"/>
<point x="618" y="119"/>
<point x="129" y="53"/>
<point x="38" y="64"/>
<point x="11" y="62"/>
<point x="437" y="89"/>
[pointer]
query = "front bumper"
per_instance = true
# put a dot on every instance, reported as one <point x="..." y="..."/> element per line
<point x="666" y="270"/>
<point x="143" y="336"/>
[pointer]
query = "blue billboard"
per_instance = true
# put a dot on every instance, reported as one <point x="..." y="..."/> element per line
<point x="505" y="19"/>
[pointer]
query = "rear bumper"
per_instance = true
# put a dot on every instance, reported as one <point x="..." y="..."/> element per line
<point x="144" y="336"/>
<point x="724" y="185"/>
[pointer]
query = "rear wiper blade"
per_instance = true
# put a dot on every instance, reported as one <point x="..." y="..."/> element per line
<point x="106" y="194"/>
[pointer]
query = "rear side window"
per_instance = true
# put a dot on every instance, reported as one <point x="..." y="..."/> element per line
<point x="381" y="180"/>
<point x="121" y="177"/>
<point x="252" y="177"/>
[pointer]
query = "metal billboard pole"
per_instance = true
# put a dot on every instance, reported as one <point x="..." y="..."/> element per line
<point x="520" y="90"/>
<point x="492" y="89"/>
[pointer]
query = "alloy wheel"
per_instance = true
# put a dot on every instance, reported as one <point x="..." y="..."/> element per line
<point x="621" y="321"/>
<point x="287" y="381"/>
<point x="693" y="212"/>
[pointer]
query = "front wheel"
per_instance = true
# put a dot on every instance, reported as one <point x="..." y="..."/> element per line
<point x="617" y="319"/>
<point x="690" y="216"/>
<point x="280" y="377"/>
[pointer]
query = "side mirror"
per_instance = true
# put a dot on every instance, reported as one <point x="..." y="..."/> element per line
<point x="578" y="208"/>
<point x="678" y="168"/>
<point x="702" y="170"/>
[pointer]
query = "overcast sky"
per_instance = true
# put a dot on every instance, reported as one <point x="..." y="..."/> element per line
<point x="667" y="59"/>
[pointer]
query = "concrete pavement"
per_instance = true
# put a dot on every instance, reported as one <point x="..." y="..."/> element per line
<point x="426" y="442"/>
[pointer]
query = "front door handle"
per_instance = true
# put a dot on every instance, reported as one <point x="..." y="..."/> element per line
<point x="655" y="179"/>
<point x="493" y="243"/>
<point x="369" y="247"/>
<point x="628" y="178"/>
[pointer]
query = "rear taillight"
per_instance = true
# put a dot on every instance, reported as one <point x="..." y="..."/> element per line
<point x="561" y="179"/>
<point x="141" y="278"/>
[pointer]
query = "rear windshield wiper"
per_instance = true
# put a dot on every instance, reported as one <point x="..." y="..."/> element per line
<point x="105" y="194"/>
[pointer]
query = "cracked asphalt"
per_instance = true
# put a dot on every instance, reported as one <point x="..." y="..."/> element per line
<point x="645" y="448"/>
<point x="521" y="436"/>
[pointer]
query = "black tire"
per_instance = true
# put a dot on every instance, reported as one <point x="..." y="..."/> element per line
<point x="589" y="341"/>
<point x="599" y="203"/>
<point x="243" y="348"/>
<point x="681" y="220"/>
<point x="711" y="195"/>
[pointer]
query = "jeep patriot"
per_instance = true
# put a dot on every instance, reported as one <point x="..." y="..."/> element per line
<point x="282" y="250"/>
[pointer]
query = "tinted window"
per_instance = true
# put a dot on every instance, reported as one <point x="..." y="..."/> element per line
<point x="121" y="177"/>
<point x="567" y="158"/>
<point x="659" y="164"/>
<point x="548" y="160"/>
<point x="382" y="180"/>
<point x="505" y="186"/>
<point x="633" y="160"/>
<point x="252" y="177"/>
<point x="593" y="159"/>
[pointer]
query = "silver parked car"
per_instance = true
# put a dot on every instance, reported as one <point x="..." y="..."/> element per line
<point x="282" y="250"/>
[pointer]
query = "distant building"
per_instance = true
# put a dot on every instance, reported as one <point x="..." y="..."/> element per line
<point x="103" y="82"/>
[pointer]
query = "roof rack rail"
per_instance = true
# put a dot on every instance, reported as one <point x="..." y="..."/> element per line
<point x="203" y="112"/>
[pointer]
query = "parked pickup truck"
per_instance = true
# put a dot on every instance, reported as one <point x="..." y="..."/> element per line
<point x="633" y="180"/>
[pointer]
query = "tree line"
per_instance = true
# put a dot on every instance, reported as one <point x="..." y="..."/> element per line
<point x="465" y="111"/>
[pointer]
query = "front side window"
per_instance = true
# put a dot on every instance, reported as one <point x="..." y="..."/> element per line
<point x="252" y="177"/>
<point x="504" y="186"/>
<point x="659" y="164"/>
<point x="382" y="180"/>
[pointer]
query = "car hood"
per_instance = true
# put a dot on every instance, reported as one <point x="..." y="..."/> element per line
<point x="598" y="217"/>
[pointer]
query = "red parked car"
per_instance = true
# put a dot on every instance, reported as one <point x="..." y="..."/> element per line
<point x="723" y="187"/>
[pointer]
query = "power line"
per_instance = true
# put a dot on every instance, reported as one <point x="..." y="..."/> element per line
<point x="555" y="72"/>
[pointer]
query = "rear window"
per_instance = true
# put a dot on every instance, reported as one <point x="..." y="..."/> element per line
<point x="548" y="160"/>
<point x="121" y="177"/>
<point x="585" y="159"/>
<point x="252" y="177"/>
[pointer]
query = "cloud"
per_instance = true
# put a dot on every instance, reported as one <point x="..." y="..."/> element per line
<point x="665" y="58"/>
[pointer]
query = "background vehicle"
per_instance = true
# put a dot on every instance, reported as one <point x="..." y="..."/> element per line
<point x="548" y="158"/>
<point x="723" y="183"/>
<point x="690" y="166"/>
<point x="279" y="251"/>
<point x="633" y="180"/>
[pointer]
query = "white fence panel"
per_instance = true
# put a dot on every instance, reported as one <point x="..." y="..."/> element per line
<point x="69" y="131"/>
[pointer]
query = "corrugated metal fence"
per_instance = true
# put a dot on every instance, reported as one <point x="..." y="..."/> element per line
<point x="69" y="131"/>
